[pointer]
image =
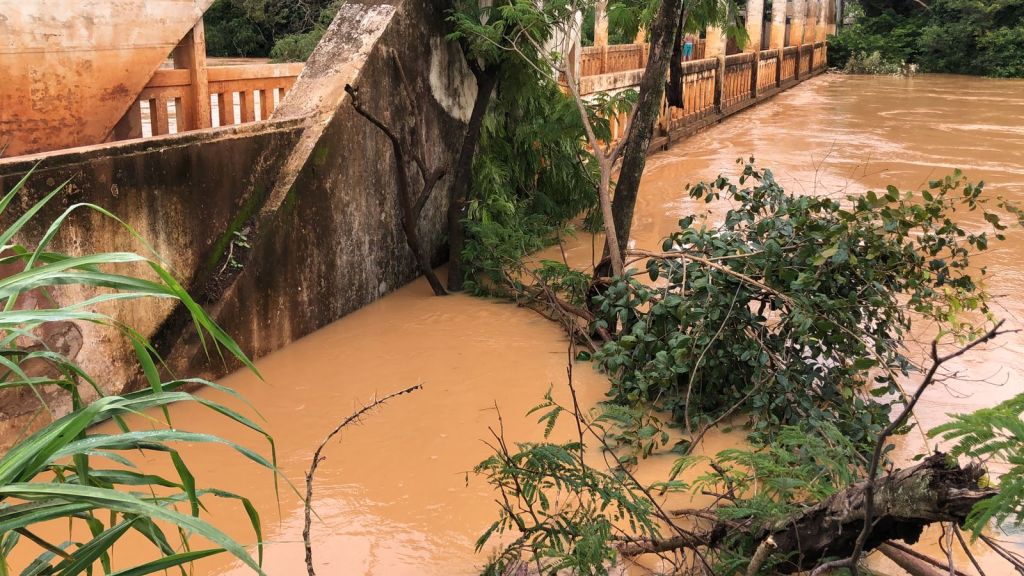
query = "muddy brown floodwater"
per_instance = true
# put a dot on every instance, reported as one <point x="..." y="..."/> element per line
<point x="393" y="495"/>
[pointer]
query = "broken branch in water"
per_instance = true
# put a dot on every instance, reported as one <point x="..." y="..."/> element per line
<point x="868" y="522"/>
<point x="317" y="459"/>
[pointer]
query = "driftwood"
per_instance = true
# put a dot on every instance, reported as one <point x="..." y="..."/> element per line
<point x="905" y="501"/>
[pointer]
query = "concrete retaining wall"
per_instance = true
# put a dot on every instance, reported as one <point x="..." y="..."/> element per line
<point x="313" y="190"/>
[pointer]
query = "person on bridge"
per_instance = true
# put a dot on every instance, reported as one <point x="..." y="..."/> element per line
<point x="688" y="48"/>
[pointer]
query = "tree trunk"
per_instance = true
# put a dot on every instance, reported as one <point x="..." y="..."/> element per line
<point x="652" y="87"/>
<point x="486" y="80"/>
<point x="675" y="70"/>
<point x="905" y="502"/>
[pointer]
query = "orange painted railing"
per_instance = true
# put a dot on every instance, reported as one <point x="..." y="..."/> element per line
<point x="739" y="78"/>
<point x="790" y="60"/>
<point x="806" y="57"/>
<point x="238" y="94"/>
<point x="699" y="78"/>
<point x="767" y="70"/>
<point x="820" y="56"/>
<point x="714" y="88"/>
<point x="596" y="60"/>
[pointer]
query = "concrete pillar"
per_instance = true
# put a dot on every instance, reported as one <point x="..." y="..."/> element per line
<point x="811" y="25"/>
<point x="823" y="17"/>
<point x="755" y="24"/>
<point x="798" y="17"/>
<point x="778" y="37"/>
<point x="601" y="23"/>
<point x="715" y="41"/>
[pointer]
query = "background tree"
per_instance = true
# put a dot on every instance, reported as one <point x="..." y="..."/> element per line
<point x="983" y="37"/>
<point x="281" y="29"/>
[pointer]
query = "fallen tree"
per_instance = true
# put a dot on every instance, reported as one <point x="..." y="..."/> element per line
<point x="905" y="502"/>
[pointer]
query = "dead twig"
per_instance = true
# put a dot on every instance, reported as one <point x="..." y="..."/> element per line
<point x="317" y="459"/>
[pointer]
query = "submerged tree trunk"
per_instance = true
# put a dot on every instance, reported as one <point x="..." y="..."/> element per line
<point x="652" y="87"/>
<point x="486" y="80"/>
<point x="905" y="502"/>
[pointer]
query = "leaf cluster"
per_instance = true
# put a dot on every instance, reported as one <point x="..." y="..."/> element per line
<point x="793" y="306"/>
<point x="565" y="513"/>
<point x="992" y="435"/>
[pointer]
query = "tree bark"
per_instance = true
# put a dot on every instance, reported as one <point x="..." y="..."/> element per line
<point x="905" y="502"/>
<point x="652" y="87"/>
<point x="486" y="80"/>
<point x="675" y="70"/>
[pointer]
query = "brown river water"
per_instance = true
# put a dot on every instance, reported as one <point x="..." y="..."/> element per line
<point x="394" y="496"/>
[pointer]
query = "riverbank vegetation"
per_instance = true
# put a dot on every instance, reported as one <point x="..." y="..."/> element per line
<point x="72" y="489"/>
<point x="981" y="37"/>
<point x="787" y="318"/>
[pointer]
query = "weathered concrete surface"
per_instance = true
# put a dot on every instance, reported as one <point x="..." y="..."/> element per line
<point x="71" y="68"/>
<point x="334" y="243"/>
<point x="180" y="193"/>
<point x="610" y="82"/>
<point x="314" y="189"/>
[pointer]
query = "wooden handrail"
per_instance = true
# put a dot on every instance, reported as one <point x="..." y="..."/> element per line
<point x="238" y="94"/>
<point x="742" y="80"/>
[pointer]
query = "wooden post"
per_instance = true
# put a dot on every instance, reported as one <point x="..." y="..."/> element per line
<point x="226" y="108"/>
<point x="778" y="68"/>
<point x="266" y="103"/>
<point x="755" y="73"/>
<point x="158" y="116"/>
<point x="247" y="105"/>
<point x="191" y="55"/>
<point x="720" y="82"/>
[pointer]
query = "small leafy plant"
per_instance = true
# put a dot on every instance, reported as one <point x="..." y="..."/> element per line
<point x="993" y="434"/>
<point x="566" y="514"/>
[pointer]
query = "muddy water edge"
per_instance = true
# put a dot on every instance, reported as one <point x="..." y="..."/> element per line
<point x="394" y="496"/>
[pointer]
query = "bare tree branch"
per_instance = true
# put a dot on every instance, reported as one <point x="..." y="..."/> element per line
<point x="317" y="459"/>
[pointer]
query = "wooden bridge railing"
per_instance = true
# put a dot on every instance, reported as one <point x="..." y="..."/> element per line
<point x="767" y="70"/>
<point x="596" y="60"/>
<point x="739" y="77"/>
<point x="790" y="60"/>
<point x="699" y="81"/>
<point x="237" y="94"/>
<point x="713" y="88"/>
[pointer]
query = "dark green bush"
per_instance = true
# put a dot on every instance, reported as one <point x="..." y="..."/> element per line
<point x="794" y="307"/>
<point x="983" y="37"/>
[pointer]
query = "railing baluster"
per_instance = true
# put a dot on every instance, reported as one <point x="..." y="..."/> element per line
<point x="248" y="106"/>
<point x="158" y="116"/>
<point x="225" y="108"/>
